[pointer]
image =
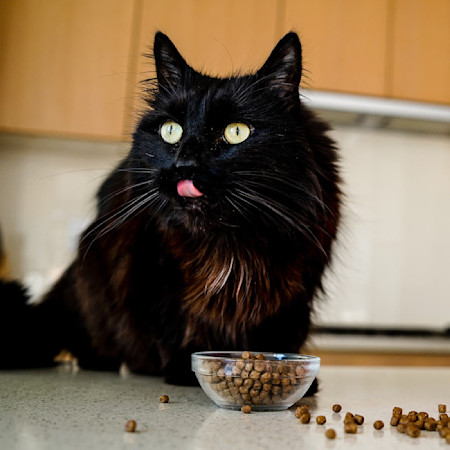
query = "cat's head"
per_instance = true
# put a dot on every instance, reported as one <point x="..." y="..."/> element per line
<point x="224" y="153"/>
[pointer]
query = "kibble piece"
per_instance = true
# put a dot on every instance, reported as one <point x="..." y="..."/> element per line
<point x="394" y="421"/>
<point x="359" y="420"/>
<point x="378" y="424"/>
<point x="422" y="415"/>
<point x="444" y="432"/>
<point x="412" y="430"/>
<point x="321" y="420"/>
<point x="412" y="416"/>
<point x="130" y="426"/>
<point x="301" y="410"/>
<point x="396" y="411"/>
<point x="442" y="408"/>
<point x="430" y="424"/>
<point x="350" y="427"/>
<point x="260" y="356"/>
<point x="404" y="420"/>
<point x="401" y="427"/>
<point x="305" y="418"/>
<point x="246" y="409"/>
<point x="164" y="399"/>
<point x="337" y="408"/>
<point x="349" y="418"/>
<point x="246" y="355"/>
<point x="330" y="433"/>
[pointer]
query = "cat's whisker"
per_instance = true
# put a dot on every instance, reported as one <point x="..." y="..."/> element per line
<point x="117" y="212"/>
<point x="122" y="191"/>
<point x="255" y="198"/>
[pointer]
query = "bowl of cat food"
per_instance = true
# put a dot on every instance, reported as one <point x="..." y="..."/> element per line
<point x="265" y="381"/>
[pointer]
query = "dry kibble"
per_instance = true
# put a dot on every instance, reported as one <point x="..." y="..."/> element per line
<point x="403" y="420"/>
<point x="412" y="430"/>
<point x="394" y="421"/>
<point x="442" y="408"/>
<point x="396" y="411"/>
<point x="351" y="428"/>
<point x="130" y="426"/>
<point x="164" y="399"/>
<point x="246" y="355"/>
<point x="401" y="428"/>
<point x="260" y="356"/>
<point x="321" y="420"/>
<point x="444" y="432"/>
<point x="246" y="409"/>
<point x="337" y="408"/>
<point x="378" y="424"/>
<point x="359" y="420"/>
<point x="330" y="433"/>
<point x="305" y="418"/>
<point x="300" y="410"/>
<point x="430" y="424"/>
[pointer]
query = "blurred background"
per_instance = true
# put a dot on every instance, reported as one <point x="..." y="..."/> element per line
<point x="378" y="70"/>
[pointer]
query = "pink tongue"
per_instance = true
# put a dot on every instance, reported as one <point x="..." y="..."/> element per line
<point x="186" y="188"/>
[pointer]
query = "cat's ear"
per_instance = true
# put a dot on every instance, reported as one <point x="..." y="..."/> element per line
<point x="170" y="65"/>
<point x="283" y="68"/>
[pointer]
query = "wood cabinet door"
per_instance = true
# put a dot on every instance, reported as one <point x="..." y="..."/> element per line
<point x="344" y="43"/>
<point x="217" y="37"/>
<point x="420" y="57"/>
<point x="63" y="66"/>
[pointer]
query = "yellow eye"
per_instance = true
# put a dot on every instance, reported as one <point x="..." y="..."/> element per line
<point x="171" y="132"/>
<point x="235" y="133"/>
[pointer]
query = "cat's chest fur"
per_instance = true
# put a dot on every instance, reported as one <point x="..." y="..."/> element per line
<point x="230" y="284"/>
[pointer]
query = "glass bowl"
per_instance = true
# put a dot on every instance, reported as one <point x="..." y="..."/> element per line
<point x="266" y="381"/>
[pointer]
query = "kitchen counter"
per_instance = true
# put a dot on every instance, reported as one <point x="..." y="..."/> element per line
<point x="63" y="408"/>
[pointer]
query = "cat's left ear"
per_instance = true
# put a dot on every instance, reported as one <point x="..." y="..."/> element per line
<point x="283" y="68"/>
<point x="170" y="65"/>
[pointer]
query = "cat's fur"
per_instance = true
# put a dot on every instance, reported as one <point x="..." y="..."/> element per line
<point x="159" y="275"/>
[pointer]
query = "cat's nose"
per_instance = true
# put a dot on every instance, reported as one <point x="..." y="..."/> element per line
<point x="189" y="154"/>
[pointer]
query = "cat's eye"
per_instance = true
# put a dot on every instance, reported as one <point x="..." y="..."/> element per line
<point x="171" y="132"/>
<point x="235" y="133"/>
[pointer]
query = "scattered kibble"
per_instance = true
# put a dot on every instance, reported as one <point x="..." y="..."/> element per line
<point x="351" y="428"/>
<point x="130" y="426"/>
<point x="246" y="409"/>
<point x="337" y="408"/>
<point x="164" y="399"/>
<point x="412" y="430"/>
<point x="305" y="418"/>
<point x="442" y="408"/>
<point x="359" y="420"/>
<point x="330" y="433"/>
<point x="300" y="410"/>
<point x="378" y="424"/>
<point x="321" y="420"/>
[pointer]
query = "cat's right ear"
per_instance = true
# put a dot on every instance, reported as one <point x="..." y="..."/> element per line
<point x="170" y="65"/>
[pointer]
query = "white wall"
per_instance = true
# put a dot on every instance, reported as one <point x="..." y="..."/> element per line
<point x="393" y="260"/>
<point x="393" y="264"/>
<point x="47" y="189"/>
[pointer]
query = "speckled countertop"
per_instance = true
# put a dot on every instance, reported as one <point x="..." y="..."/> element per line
<point x="62" y="409"/>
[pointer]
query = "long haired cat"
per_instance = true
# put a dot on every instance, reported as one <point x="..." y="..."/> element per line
<point x="213" y="232"/>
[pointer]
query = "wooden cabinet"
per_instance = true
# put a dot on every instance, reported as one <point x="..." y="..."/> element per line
<point x="420" y="54"/>
<point x="344" y="43"/>
<point x="73" y="67"/>
<point x="64" y="66"/>
<point x="216" y="37"/>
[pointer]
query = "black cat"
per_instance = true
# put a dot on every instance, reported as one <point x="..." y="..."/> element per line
<point x="213" y="233"/>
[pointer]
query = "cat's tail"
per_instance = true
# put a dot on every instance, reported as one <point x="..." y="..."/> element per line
<point x="27" y="336"/>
